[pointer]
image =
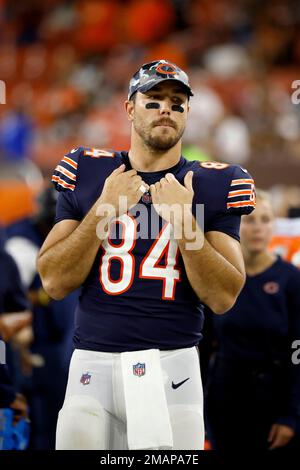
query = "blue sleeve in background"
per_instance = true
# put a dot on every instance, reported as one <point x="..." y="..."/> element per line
<point x="7" y="392"/>
<point x="292" y="416"/>
<point x="15" y="299"/>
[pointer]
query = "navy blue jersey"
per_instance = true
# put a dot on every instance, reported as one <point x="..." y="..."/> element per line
<point x="263" y="324"/>
<point x="137" y="295"/>
<point x="12" y="294"/>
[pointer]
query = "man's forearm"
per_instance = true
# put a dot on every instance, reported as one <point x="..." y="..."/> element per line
<point x="214" y="279"/>
<point x="64" y="266"/>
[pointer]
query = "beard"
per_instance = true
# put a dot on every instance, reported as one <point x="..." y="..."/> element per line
<point x="160" y="141"/>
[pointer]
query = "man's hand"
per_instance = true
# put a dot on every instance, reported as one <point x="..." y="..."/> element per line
<point x="62" y="274"/>
<point x="171" y="199"/>
<point x="124" y="184"/>
<point x="11" y="323"/>
<point x="20" y="407"/>
<point x="280" y="435"/>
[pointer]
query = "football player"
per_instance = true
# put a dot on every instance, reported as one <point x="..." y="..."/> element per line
<point x="146" y="268"/>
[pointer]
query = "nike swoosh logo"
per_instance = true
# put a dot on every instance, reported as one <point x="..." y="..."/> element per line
<point x="180" y="383"/>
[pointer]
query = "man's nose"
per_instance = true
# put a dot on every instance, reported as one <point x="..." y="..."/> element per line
<point x="165" y="107"/>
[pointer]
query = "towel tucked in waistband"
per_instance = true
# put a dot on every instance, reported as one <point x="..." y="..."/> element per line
<point x="148" y="421"/>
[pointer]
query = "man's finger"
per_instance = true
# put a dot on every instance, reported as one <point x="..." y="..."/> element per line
<point x="272" y="433"/>
<point x="131" y="172"/>
<point x="153" y="192"/>
<point x="118" y="170"/>
<point x="278" y="442"/>
<point x="188" y="181"/>
<point x="137" y="179"/>
<point x="170" y="177"/>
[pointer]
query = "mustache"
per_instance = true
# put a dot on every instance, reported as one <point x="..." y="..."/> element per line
<point x="165" y="122"/>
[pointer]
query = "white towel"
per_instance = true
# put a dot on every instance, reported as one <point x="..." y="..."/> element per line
<point x="148" y="421"/>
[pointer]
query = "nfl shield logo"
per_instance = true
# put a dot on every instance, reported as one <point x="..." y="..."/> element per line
<point x="139" y="369"/>
<point x="146" y="198"/>
<point x="85" y="379"/>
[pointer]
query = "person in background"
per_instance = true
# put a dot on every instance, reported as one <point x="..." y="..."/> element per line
<point x="52" y="324"/>
<point x="253" y="387"/>
<point x="14" y="316"/>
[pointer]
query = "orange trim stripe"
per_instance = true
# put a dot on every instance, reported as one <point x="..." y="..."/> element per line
<point x="241" y="181"/>
<point x="65" y="172"/>
<point x="63" y="183"/>
<point x="240" y="204"/>
<point x="242" y="192"/>
<point x="70" y="162"/>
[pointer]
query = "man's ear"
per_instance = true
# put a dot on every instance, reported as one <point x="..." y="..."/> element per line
<point x="129" y="108"/>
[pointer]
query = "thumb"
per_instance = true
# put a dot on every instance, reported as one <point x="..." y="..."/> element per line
<point x="118" y="170"/>
<point x="188" y="181"/>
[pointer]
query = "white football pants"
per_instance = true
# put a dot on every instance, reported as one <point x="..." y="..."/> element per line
<point x="94" y="416"/>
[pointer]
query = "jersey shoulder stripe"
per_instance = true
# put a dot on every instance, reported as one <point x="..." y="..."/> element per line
<point x="234" y="189"/>
<point x="239" y="181"/>
<point x="60" y="183"/>
<point x="70" y="162"/>
<point x="241" y="193"/>
<point x="240" y="204"/>
<point x="65" y="175"/>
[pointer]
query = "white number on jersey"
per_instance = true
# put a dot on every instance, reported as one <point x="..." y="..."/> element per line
<point x="163" y="247"/>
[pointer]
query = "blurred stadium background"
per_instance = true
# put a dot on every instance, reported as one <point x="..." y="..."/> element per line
<point x="65" y="67"/>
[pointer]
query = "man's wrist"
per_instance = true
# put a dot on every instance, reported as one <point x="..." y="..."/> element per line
<point x="189" y="235"/>
<point x="182" y="218"/>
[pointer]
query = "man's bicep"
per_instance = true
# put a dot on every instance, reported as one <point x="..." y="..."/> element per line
<point x="228" y="247"/>
<point x="60" y="231"/>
